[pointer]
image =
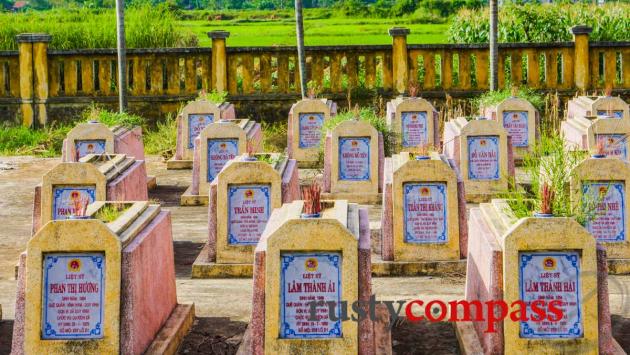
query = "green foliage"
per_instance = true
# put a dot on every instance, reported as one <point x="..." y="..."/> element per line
<point x="111" y="211"/>
<point x="491" y="98"/>
<point x="550" y="163"/>
<point x="364" y="114"/>
<point x="214" y="96"/>
<point x="162" y="139"/>
<point x="146" y="27"/>
<point x="274" y="136"/>
<point x="112" y="119"/>
<point x="20" y="140"/>
<point x="543" y="23"/>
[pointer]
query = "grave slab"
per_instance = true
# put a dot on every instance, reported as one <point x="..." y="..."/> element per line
<point x="337" y="255"/>
<point x="482" y="153"/>
<point x="353" y="162"/>
<point x="584" y="133"/>
<point x="97" y="177"/>
<point x="242" y="198"/>
<point x="600" y="186"/>
<point x="584" y="106"/>
<point x="424" y="210"/>
<point x="415" y="121"/>
<point x="134" y="295"/>
<point x="217" y="144"/>
<point x="305" y="121"/>
<point x="193" y="118"/>
<point x="520" y="120"/>
<point x="514" y="259"/>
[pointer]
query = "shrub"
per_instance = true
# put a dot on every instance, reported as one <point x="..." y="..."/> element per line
<point x="543" y="23"/>
<point x="111" y="119"/>
<point x="364" y="114"/>
<point x="20" y="140"/>
<point x="162" y="139"/>
<point x="491" y="98"/>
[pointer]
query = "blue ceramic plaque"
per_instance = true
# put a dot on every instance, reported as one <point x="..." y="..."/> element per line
<point x="414" y="128"/>
<point x="483" y="158"/>
<point x="354" y="158"/>
<point x="608" y="223"/>
<point x="424" y="212"/>
<point x="220" y="151"/>
<point x="249" y="210"/>
<point x="85" y="147"/>
<point x="614" y="113"/>
<point x="310" y="129"/>
<point x="66" y="198"/>
<point x="515" y="123"/>
<point x="305" y="278"/>
<point x="615" y="145"/>
<point x="551" y="276"/>
<point x="196" y="123"/>
<point x="72" y="293"/>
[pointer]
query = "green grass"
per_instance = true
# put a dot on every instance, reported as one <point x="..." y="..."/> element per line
<point x="19" y="140"/>
<point x="317" y="32"/>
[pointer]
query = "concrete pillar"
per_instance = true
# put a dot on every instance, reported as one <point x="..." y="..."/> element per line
<point x="219" y="60"/>
<point x="581" y="70"/>
<point x="399" y="58"/>
<point x="33" y="59"/>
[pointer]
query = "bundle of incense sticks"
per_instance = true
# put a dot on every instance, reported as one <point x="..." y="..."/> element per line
<point x="547" y="195"/>
<point x="311" y="195"/>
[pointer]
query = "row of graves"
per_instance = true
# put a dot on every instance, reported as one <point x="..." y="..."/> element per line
<point x="98" y="273"/>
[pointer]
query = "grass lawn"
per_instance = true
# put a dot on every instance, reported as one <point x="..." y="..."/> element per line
<point x="334" y="31"/>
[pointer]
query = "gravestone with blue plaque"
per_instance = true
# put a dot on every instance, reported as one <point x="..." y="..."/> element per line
<point x="613" y="113"/>
<point x="424" y="211"/>
<point x="308" y="277"/>
<point x="196" y="123"/>
<point x="414" y="127"/>
<point x="249" y="210"/>
<point x="546" y="277"/>
<point x="354" y="158"/>
<point x="73" y="296"/>
<point x="85" y="147"/>
<point x="515" y="123"/>
<point x="483" y="157"/>
<point x="310" y="129"/>
<point x="220" y="151"/>
<point x="608" y="202"/>
<point x="615" y="145"/>
<point x="65" y="198"/>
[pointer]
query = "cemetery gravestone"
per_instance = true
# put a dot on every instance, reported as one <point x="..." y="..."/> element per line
<point x="520" y="120"/>
<point x="415" y="121"/>
<point x="353" y="162"/>
<point x="533" y="259"/>
<point x="95" y="178"/>
<point x="585" y="106"/>
<point x="306" y="118"/>
<point x="96" y="138"/>
<point x="90" y="286"/>
<point x="242" y="198"/>
<point x="195" y="116"/>
<point x="586" y="133"/>
<point x="600" y="187"/>
<point x="424" y="212"/>
<point x="217" y="144"/>
<point x="481" y="150"/>
<point x="331" y="265"/>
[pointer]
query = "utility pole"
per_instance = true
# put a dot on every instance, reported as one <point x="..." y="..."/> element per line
<point x="122" y="56"/>
<point x="494" y="47"/>
<point x="299" y="26"/>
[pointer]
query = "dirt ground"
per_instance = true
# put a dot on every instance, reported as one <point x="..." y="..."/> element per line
<point x="223" y="306"/>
